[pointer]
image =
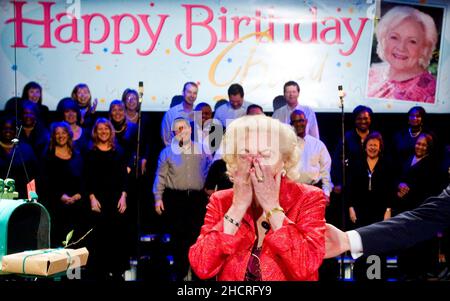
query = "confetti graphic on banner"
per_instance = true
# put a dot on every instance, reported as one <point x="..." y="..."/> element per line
<point x="98" y="67"/>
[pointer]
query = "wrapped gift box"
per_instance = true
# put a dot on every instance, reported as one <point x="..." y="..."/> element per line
<point x="44" y="262"/>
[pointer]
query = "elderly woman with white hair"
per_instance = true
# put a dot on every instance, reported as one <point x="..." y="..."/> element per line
<point x="267" y="227"/>
<point x="406" y="39"/>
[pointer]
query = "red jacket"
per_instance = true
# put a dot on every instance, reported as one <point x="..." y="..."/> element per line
<point x="293" y="252"/>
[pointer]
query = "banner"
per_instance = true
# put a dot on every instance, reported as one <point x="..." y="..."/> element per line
<point x="321" y="44"/>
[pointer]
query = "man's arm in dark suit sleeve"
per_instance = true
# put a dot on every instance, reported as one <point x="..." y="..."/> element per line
<point x="408" y="228"/>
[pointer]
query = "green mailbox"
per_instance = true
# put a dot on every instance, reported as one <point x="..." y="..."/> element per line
<point x="24" y="225"/>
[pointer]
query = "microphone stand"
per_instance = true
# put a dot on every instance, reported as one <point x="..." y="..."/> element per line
<point x="138" y="135"/>
<point x="137" y="177"/>
<point x="343" y="187"/>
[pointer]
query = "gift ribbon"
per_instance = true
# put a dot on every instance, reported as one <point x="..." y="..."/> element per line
<point x="45" y="252"/>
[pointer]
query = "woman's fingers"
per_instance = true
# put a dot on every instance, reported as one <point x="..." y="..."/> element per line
<point x="260" y="176"/>
<point x="278" y="178"/>
<point x="266" y="171"/>
<point x="255" y="180"/>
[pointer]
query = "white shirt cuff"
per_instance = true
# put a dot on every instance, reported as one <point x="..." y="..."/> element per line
<point x="356" y="247"/>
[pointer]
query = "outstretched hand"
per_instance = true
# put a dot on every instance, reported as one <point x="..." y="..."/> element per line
<point x="122" y="204"/>
<point x="336" y="241"/>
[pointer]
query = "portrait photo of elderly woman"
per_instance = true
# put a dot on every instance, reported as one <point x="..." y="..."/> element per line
<point x="406" y="39"/>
